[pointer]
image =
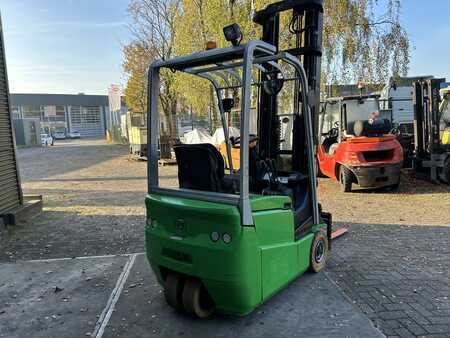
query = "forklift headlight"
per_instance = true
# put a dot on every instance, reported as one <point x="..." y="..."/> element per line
<point x="226" y="238"/>
<point x="214" y="236"/>
<point x="233" y="34"/>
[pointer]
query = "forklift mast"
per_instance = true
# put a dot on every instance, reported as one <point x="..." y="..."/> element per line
<point x="430" y="153"/>
<point x="426" y="101"/>
<point x="306" y="25"/>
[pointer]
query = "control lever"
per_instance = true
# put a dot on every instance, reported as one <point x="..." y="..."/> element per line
<point x="266" y="169"/>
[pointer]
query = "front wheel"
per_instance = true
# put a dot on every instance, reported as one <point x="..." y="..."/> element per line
<point x="173" y="291"/>
<point x="319" y="252"/>
<point x="196" y="300"/>
<point x="345" y="179"/>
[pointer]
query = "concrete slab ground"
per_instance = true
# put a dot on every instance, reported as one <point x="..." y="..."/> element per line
<point x="118" y="296"/>
<point x="56" y="298"/>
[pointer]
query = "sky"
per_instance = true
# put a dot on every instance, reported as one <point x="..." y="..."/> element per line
<point x="64" y="46"/>
<point x="73" y="46"/>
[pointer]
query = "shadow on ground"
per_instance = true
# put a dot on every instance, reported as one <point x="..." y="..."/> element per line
<point x="66" y="234"/>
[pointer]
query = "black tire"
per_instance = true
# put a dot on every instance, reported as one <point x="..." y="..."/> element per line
<point x="444" y="173"/>
<point x="173" y="291"/>
<point x="394" y="187"/>
<point x="345" y="178"/>
<point x="319" y="252"/>
<point x="196" y="300"/>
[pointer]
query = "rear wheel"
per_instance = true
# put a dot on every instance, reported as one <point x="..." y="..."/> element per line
<point x="319" y="252"/>
<point x="394" y="187"/>
<point x="345" y="179"/>
<point x="196" y="300"/>
<point x="173" y="291"/>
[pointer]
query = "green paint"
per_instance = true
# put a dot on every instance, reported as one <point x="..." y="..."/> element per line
<point x="259" y="261"/>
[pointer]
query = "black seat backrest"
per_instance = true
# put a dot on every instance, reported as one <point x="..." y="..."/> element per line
<point x="200" y="167"/>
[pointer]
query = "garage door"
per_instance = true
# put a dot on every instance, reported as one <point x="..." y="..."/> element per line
<point x="87" y="121"/>
<point x="10" y="191"/>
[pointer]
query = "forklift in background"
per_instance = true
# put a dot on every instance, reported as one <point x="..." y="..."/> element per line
<point x="356" y="145"/>
<point x="431" y="156"/>
<point x="444" y="109"/>
<point x="136" y="125"/>
<point x="230" y="240"/>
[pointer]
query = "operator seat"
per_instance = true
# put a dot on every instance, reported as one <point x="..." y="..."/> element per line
<point x="328" y="142"/>
<point x="200" y="167"/>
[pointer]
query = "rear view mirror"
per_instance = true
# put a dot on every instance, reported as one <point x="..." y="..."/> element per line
<point x="228" y="104"/>
<point x="273" y="83"/>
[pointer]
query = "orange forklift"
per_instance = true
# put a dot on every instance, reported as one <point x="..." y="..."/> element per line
<point x="356" y="146"/>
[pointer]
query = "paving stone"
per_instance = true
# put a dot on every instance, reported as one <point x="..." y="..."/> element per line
<point x="396" y="306"/>
<point x="410" y="289"/>
<point x="437" y="329"/>
<point x="404" y="333"/>
<point x="413" y="327"/>
<point x="392" y="315"/>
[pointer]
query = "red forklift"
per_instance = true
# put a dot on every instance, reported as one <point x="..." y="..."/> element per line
<point x="356" y="145"/>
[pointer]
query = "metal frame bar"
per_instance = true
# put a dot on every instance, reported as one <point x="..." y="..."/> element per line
<point x="243" y="200"/>
<point x="226" y="132"/>
<point x="153" y="124"/>
<point x="309" y="132"/>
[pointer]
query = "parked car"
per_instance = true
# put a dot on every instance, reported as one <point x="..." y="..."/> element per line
<point x="74" y="134"/>
<point x="59" y="135"/>
<point x="46" y="140"/>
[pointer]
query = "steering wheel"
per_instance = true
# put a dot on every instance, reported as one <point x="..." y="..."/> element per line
<point x="396" y="132"/>
<point x="333" y="132"/>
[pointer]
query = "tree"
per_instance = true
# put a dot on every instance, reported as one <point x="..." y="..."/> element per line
<point x="363" y="40"/>
<point x="153" y="31"/>
<point x="137" y="57"/>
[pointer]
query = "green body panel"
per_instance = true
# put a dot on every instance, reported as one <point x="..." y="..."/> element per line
<point x="240" y="275"/>
<point x="259" y="202"/>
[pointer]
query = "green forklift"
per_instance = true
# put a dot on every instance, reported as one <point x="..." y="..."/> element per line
<point x="228" y="239"/>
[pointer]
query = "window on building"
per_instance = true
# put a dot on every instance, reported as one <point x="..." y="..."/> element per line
<point x="91" y="114"/>
<point x="85" y="115"/>
<point x="60" y="113"/>
<point x="15" y="112"/>
<point x="75" y="113"/>
<point x="54" y="113"/>
<point x="32" y="111"/>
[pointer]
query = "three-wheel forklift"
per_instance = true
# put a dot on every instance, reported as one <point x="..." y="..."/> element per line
<point x="431" y="156"/>
<point x="356" y="145"/>
<point x="228" y="240"/>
